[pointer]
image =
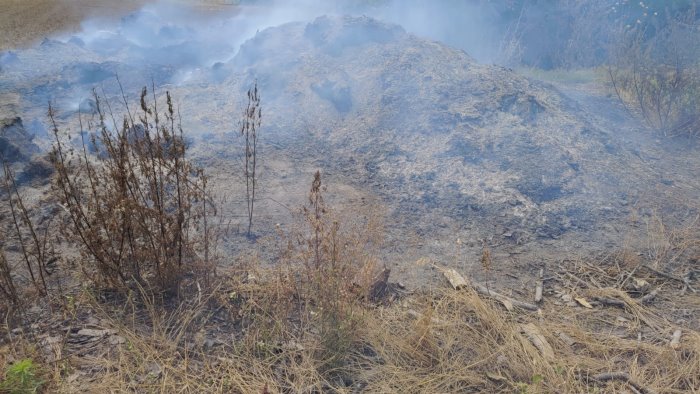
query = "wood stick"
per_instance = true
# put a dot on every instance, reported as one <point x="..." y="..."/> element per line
<point x="538" y="340"/>
<point x="676" y="339"/>
<point x="483" y="290"/>
<point x="663" y="274"/>
<point x="611" y="302"/>
<point x="458" y="282"/>
<point x="625" y="377"/>
<point x="649" y="297"/>
<point x="538" y="288"/>
<point x="578" y="280"/>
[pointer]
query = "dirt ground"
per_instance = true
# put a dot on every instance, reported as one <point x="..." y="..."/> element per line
<point x="24" y="22"/>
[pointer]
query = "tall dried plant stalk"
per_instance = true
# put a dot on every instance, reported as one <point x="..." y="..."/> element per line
<point x="249" y="130"/>
<point x="33" y="243"/>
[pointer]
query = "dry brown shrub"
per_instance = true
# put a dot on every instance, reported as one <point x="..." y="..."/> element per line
<point x="138" y="208"/>
<point x="31" y="238"/>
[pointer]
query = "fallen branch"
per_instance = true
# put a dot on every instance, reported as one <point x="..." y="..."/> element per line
<point x="625" y="377"/>
<point x="610" y="302"/>
<point x="458" y="282"/>
<point x="579" y="281"/>
<point x="664" y="274"/>
<point x="483" y="290"/>
<point x="538" y="288"/>
<point x="538" y="340"/>
<point x="676" y="339"/>
<point x="649" y="297"/>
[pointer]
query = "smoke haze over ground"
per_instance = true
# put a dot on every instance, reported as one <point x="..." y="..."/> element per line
<point x="171" y="43"/>
<point x="166" y="34"/>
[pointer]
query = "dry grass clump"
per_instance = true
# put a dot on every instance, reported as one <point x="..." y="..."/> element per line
<point x="237" y="339"/>
<point x="261" y="330"/>
<point x="291" y="328"/>
<point x="138" y="209"/>
<point x="458" y="342"/>
<point x="319" y="292"/>
<point x="324" y="319"/>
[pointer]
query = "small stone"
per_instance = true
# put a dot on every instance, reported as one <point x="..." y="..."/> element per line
<point x="90" y="332"/>
<point x="154" y="370"/>
<point x="49" y="340"/>
<point x="36" y="309"/>
<point x="116" y="340"/>
<point x="641" y="285"/>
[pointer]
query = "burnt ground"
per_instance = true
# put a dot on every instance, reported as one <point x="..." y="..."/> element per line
<point x="461" y="156"/>
<point x="452" y="155"/>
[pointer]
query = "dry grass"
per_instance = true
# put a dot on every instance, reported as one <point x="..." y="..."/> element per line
<point x="315" y="322"/>
<point x="440" y="341"/>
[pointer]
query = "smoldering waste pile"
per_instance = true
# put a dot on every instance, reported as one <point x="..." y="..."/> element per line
<point x="453" y="148"/>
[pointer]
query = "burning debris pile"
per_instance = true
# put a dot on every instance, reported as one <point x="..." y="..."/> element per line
<point x="449" y="145"/>
<point x="433" y="132"/>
